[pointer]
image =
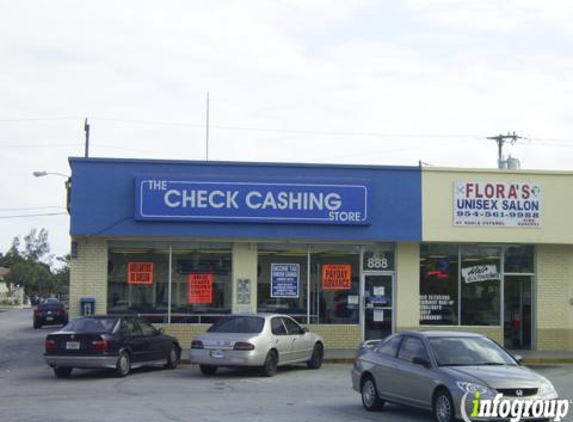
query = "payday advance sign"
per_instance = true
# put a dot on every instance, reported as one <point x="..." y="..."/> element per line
<point x="187" y="200"/>
<point x="493" y="204"/>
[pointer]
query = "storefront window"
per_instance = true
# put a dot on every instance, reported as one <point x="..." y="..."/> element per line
<point x="202" y="282"/>
<point x="335" y="276"/>
<point x="518" y="259"/>
<point x="334" y="283"/>
<point x="282" y="280"/>
<point x="439" y="268"/>
<point x="138" y="279"/>
<point x="481" y="285"/>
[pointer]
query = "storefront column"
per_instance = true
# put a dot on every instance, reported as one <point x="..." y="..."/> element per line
<point x="407" y="301"/>
<point x="554" y="294"/>
<point x="244" y="277"/>
<point x="88" y="275"/>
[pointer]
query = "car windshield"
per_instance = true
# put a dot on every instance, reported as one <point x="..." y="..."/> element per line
<point x="91" y="325"/>
<point x="469" y="351"/>
<point x="238" y="324"/>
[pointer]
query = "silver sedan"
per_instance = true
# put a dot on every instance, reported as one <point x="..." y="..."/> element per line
<point x="257" y="340"/>
<point x="451" y="374"/>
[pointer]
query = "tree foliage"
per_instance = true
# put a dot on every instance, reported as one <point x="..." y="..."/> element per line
<point x="31" y="265"/>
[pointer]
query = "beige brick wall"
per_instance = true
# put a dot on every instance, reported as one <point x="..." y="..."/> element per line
<point x="495" y="333"/>
<point x="338" y="336"/>
<point x="184" y="332"/>
<point x="88" y="275"/>
<point x="335" y="336"/>
<point x="554" y="290"/>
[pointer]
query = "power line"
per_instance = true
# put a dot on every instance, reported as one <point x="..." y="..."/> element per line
<point x="31" y="208"/>
<point x="291" y="131"/>
<point x="33" y="215"/>
<point x="40" y="145"/>
<point x="38" y="119"/>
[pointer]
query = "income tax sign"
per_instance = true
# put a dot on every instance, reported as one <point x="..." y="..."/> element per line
<point x="191" y="200"/>
<point x="496" y="204"/>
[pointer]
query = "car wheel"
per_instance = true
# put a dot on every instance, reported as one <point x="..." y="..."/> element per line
<point x="37" y="325"/>
<point x="123" y="365"/>
<point x="271" y="364"/>
<point x="208" y="369"/>
<point x="370" y="399"/>
<point x="172" y="358"/>
<point x="63" y="372"/>
<point x="317" y="357"/>
<point x="444" y="410"/>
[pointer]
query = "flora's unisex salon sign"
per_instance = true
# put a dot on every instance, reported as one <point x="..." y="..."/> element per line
<point x="494" y="204"/>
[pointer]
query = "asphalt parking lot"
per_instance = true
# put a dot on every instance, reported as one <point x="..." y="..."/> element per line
<point x="30" y="392"/>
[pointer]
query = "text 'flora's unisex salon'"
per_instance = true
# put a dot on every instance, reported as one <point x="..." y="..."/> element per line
<point x="186" y="200"/>
<point x="497" y="204"/>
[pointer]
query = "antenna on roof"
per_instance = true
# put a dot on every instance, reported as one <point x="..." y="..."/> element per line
<point x="207" y="131"/>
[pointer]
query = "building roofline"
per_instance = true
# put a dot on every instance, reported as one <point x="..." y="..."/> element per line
<point x="241" y="163"/>
<point x="497" y="171"/>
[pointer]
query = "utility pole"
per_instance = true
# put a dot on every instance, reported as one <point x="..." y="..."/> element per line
<point x="502" y="139"/>
<point x="87" y="131"/>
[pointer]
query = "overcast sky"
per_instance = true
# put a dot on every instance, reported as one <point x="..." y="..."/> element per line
<point x="327" y="81"/>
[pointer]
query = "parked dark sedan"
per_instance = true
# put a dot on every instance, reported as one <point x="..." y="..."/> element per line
<point x="116" y="342"/>
<point x="50" y="312"/>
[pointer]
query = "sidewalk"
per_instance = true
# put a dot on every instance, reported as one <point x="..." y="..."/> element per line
<point x="530" y="357"/>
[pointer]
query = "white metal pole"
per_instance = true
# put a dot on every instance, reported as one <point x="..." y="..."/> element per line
<point x="170" y="278"/>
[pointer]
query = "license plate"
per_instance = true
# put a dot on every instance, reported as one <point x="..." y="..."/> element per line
<point x="72" y="345"/>
<point x="49" y="318"/>
<point x="217" y="354"/>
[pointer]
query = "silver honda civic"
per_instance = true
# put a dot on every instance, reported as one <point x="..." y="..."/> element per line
<point x="454" y="375"/>
<point x="256" y="340"/>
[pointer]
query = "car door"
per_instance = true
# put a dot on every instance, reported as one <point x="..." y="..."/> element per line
<point x="133" y="339"/>
<point x="156" y="347"/>
<point x="384" y="366"/>
<point x="281" y="340"/>
<point x="413" y="381"/>
<point x="301" y="342"/>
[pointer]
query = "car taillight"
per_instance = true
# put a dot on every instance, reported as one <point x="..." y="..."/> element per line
<point x="243" y="346"/>
<point x="99" y="346"/>
<point x="197" y="344"/>
<point x="61" y="312"/>
<point x="50" y="345"/>
<point x="37" y="312"/>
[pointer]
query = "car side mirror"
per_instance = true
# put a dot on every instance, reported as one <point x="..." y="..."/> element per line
<point x="161" y="330"/>
<point x="305" y="329"/>
<point x="518" y="358"/>
<point x="421" y="361"/>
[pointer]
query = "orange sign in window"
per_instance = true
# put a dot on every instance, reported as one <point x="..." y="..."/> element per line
<point x="140" y="272"/>
<point x="200" y="287"/>
<point x="336" y="277"/>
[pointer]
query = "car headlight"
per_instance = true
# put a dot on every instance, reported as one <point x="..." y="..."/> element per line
<point x="472" y="388"/>
<point x="547" y="390"/>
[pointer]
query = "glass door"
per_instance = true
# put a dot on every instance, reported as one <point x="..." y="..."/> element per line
<point x="517" y="323"/>
<point x="378" y="306"/>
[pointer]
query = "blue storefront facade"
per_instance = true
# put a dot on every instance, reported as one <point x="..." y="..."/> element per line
<point x="183" y="243"/>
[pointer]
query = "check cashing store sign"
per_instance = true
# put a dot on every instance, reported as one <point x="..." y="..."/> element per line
<point x="192" y="200"/>
<point x="497" y="204"/>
